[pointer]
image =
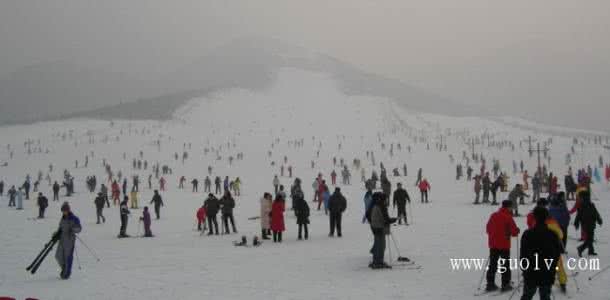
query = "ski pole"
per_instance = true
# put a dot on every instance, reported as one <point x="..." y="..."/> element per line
<point x="411" y="213"/>
<point x="599" y="272"/>
<point x="483" y="276"/>
<point x="77" y="260"/>
<point x="389" y="250"/>
<point x="576" y="283"/>
<point x="89" y="249"/>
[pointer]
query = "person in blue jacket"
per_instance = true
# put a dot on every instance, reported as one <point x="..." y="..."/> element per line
<point x="559" y="212"/>
<point x="69" y="226"/>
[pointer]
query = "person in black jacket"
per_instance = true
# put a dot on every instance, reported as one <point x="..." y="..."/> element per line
<point x="301" y="210"/>
<point x="588" y="217"/>
<point x="228" y="204"/>
<point x="124" y="209"/>
<point x="158" y="201"/>
<point x="541" y="248"/>
<point x="43" y="203"/>
<point x="400" y="199"/>
<point x="211" y="207"/>
<point x="56" y="188"/>
<point x="336" y="206"/>
<point x="99" y="201"/>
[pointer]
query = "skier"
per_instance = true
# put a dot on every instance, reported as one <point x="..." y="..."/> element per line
<point x="539" y="246"/>
<point x="336" y="206"/>
<point x="477" y="188"/>
<point x="145" y="218"/>
<point x="228" y="204"/>
<point x="333" y="178"/>
<point x="266" y="203"/>
<point x="276" y="184"/>
<point x="116" y="192"/>
<point x="69" y="226"/>
<point x="500" y="228"/>
<point x="207" y="185"/>
<point x="560" y="213"/>
<point x="1" y="188"/>
<point x="536" y="186"/>
<point x="424" y="188"/>
<point x="494" y="190"/>
<point x="195" y="184"/>
<point x="377" y="215"/>
<point x="201" y="218"/>
<point x="133" y="195"/>
<point x="589" y="218"/>
<point x="26" y="188"/>
<point x="315" y="186"/>
<point x="99" y="201"/>
<point x="486" y="187"/>
<point x="401" y="196"/>
<point x="162" y="184"/>
<point x="124" y="212"/>
<point x="43" y="203"/>
<point x="517" y="193"/>
<point x="217" y="185"/>
<point x="19" y="197"/>
<point x="301" y="210"/>
<point x="104" y="192"/>
<point x="554" y="226"/>
<point x="158" y="201"/>
<point x="277" y="218"/>
<point x="211" y="207"/>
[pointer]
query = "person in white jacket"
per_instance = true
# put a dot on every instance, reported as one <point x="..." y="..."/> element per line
<point x="266" y="202"/>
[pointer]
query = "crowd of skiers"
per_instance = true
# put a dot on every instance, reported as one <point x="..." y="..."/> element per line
<point x="545" y="238"/>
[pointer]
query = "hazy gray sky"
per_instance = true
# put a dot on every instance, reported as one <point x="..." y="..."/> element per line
<point x="474" y="51"/>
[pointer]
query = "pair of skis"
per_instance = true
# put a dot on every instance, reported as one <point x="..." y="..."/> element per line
<point x="33" y="267"/>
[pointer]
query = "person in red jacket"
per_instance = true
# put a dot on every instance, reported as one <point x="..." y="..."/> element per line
<point x="608" y="173"/>
<point x="162" y="184"/>
<point x="277" y="218"/>
<point x="554" y="186"/>
<point x="424" y="187"/>
<point x="500" y="228"/>
<point x="116" y="192"/>
<point x="201" y="218"/>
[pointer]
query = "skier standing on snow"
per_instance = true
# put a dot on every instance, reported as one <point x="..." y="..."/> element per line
<point x="400" y="200"/>
<point x="379" y="219"/>
<point x="145" y="218"/>
<point x="486" y="188"/>
<point x="277" y="218"/>
<point x="539" y="246"/>
<point x="276" y="184"/>
<point x="228" y="204"/>
<point x="19" y="196"/>
<point x="158" y="201"/>
<point x="217" y="185"/>
<point x="201" y="218"/>
<point x="477" y="189"/>
<point x="56" y="188"/>
<point x="124" y="211"/>
<point x="301" y="210"/>
<point x="69" y="226"/>
<point x="500" y="228"/>
<point x="211" y="207"/>
<point x="266" y="203"/>
<point x="43" y="203"/>
<point x="99" y="201"/>
<point x="207" y="185"/>
<point x="12" y="194"/>
<point x="336" y="206"/>
<point x="424" y="188"/>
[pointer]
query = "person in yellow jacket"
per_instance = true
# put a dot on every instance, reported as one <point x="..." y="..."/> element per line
<point x="553" y="226"/>
<point x="134" y="199"/>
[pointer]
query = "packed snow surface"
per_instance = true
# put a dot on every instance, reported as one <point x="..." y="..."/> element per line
<point x="178" y="263"/>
